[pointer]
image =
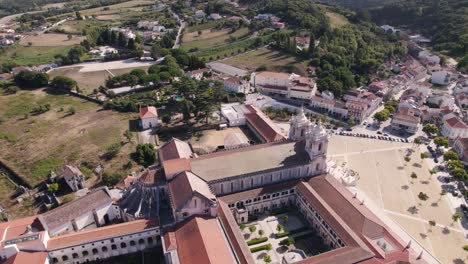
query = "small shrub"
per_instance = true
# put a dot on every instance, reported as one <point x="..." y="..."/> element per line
<point x="260" y="248"/>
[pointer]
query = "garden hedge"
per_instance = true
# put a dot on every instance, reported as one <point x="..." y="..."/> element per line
<point x="259" y="248"/>
<point x="257" y="241"/>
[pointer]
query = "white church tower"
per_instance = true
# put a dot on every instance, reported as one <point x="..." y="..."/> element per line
<point x="315" y="136"/>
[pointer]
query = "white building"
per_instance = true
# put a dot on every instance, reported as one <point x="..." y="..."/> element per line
<point x="237" y="85"/>
<point x="148" y="117"/>
<point x="441" y="77"/>
<point x="197" y="74"/>
<point x="289" y="85"/>
<point x="453" y="127"/>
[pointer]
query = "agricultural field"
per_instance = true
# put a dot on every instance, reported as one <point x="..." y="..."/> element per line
<point x="51" y="40"/>
<point x="111" y="17"/>
<point x="36" y="144"/>
<point x="87" y="81"/>
<point x="111" y="9"/>
<point x="35" y="55"/>
<point x="210" y="38"/>
<point x="77" y="26"/>
<point x="273" y="60"/>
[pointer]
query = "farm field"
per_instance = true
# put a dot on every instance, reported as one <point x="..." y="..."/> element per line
<point x="51" y="40"/>
<point x="273" y="60"/>
<point x="35" y="55"/>
<point x="108" y="17"/>
<point x="337" y="20"/>
<point x="113" y="8"/>
<point x="77" y="26"/>
<point x="87" y="81"/>
<point x="37" y="144"/>
<point x="210" y="39"/>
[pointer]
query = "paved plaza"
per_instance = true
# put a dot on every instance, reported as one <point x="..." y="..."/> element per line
<point x="269" y="223"/>
<point x="384" y="183"/>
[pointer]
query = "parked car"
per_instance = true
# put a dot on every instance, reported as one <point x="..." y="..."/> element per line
<point x="379" y="133"/>
<point x="455" y="193"/>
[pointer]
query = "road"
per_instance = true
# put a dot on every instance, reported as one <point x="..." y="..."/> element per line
<point x="181" y="28"/>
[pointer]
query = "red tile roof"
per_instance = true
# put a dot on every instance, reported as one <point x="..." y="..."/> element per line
<point x="148" y="112"/>
<point x="24" y="257"/>
<point x="456" y="122"/>
<point x="176" y="166"/>
<point x="200" y="240"/>
<point x="174" y="149"/>
<point x="263" y="125"/>
<point x="100" y="233"/>
<point x="278" y="75"/>
<point x="184" y="186"/>
<point x="16" y="228"/>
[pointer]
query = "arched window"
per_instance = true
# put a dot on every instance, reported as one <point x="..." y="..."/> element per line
<point x="54" y="260"/>
<point x="232" y="186"/>
<point x="222" y="188"/>
<point x="251" y="181"/>
<point x="320" y="147"/>
<point x="302" y="132"/>
<point x="114" y="247"/>
<point x="123" y="245"/>
<point x="104" y="249"/>
<point x="242" y="184"/>
<point x="64" y="257"/>
<point x="141" y="241"/>
<point x="85" y="253"/>
<point x="132" y="243"/>
<point x="317" y="167"/>
<point x="95" y="251"/>
<point x="75" y="255"/>
<point x="150" y="240"/>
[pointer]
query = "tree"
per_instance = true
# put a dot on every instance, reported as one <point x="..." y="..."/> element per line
<point x="145" y="154"/>
<point x="424" y="156"/>
<point x="11" y="89"/>
<point x="112" y="150"/>
<point x="414" y="176"/>
<point x="432" y="223"/>
<point x="442" y="193"/>
<point x="382" y="116"/>
<point x="71" y="110"/>
<point x="287" y="241"/>
<point x="407" y="158"/>
<point x="166" y="119"/>
<point x="131" y="45"/>
<point x="242" y="227"/>
<point x="62" y="83"/>
<point x="69" y="36"/>
<point x="451" y="155"/>
<point x="261" y="232"/>
<point x="252" y="229"/>
<point x="128" y="135"/>
<point x="455" y="217"/>
<point x="75" y="53"/>
<point x="423" y="196"/>
<point x="465" y="248"/>
<point x="351" y="121"/>
<point x="78" y="15"/>
<point x="430" y="129"/>
<point x="459" y="173"/>
<point x="267" y="258"/>
<point x="53" y="187"/>
<point x="31" y="80"/>
<point x="279" y="227"/>
<point x="111" y="179"/>
<point x="268" y="247"/>
<point x="441" y="142"/>
<point x="122" y="40"/>
<point x="285" y="218"/>
<point x="417" y="141"/>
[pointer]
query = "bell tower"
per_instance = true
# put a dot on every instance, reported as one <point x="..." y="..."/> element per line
<point x="317" y="142"/>
<point x="300" y="126"/>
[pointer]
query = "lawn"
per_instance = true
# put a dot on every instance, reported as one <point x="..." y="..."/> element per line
<point x="51" y="40"/>
<point x="87" y="81"/>
<point x="211" y="38"/>
<point x="38" y="144"/>
<point x="22" y="55"/>
<point x="117" y="7"/>
<point x="204" y="26"/>
<point x="273" y="60"/>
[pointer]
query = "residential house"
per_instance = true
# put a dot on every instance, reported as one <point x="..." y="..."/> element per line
<point x="215" y="16"/>
<point x="378" y="88"/>
<point x="406" y="120"/>
<point x="461" y="147"/>
<point x="278" y="25"/>
<point x="441" y="77"/>
<point x="5" y="76"/>
<point x="264" y="17"/>
<point x="6" y="42"/>
<point x="428" y="58"/>
<point x="289" y="85"/>
<point x="199" y="14"/>
<point x="237" y="85"/>
<point x="357" y="110"/>
<point x="441" y="99"/>
<point x="462" y="100"/>
<point x="73" y="177"/>
<point x="148" y="117"/>
<point x="301" y="42"/>
<point x="388" y="29"/>
<point x="197" y="74"/>
<point x="453" y="127"/>
<point x="19" y="69"/>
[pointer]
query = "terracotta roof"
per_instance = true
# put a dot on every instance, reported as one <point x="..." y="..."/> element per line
<point x="148" y="112"/>
<point x="5" y="76"/>
<point x="263" y="125"/>
<point x="174" y="149"/>
<point x="100" y="233"/>
<point x="456" y="122"/>
<point x="126" y="182"/>
<point x="25" y="257"/>
<point x="71" y="171"/>
<point x="152" y="176"/>
<point x="200" y="240"/>
<point x="170" y="242"/>
<point x="184" y="186"/>
<point x="69" y="211"/>
<point x="405" y="116"/>
<point x="198" y="71"/>
<point x="176" y="166"/>
<point x="16" y="228"/>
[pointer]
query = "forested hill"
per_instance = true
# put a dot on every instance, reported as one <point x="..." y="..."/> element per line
<point x="444" y="21"/>
<point x="346" y="56"/>
<point x="358" y="4"/>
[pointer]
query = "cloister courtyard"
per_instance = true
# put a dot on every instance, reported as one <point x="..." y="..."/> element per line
<point x="305" y="244"/>
<point x="386" y="186"/>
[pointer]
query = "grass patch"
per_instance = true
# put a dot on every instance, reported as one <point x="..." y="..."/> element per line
<point x="336" y="20"/>
<point x="210" y="39"/>
<point x="10" y="137"/>
<point x="205" y="26"/>
<point x="42" y="168"/>
<point x="77" y="26"/>
<point x="35" y="55"/>
<point x="292" y="232"/>
<point x="256" y="241"/>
